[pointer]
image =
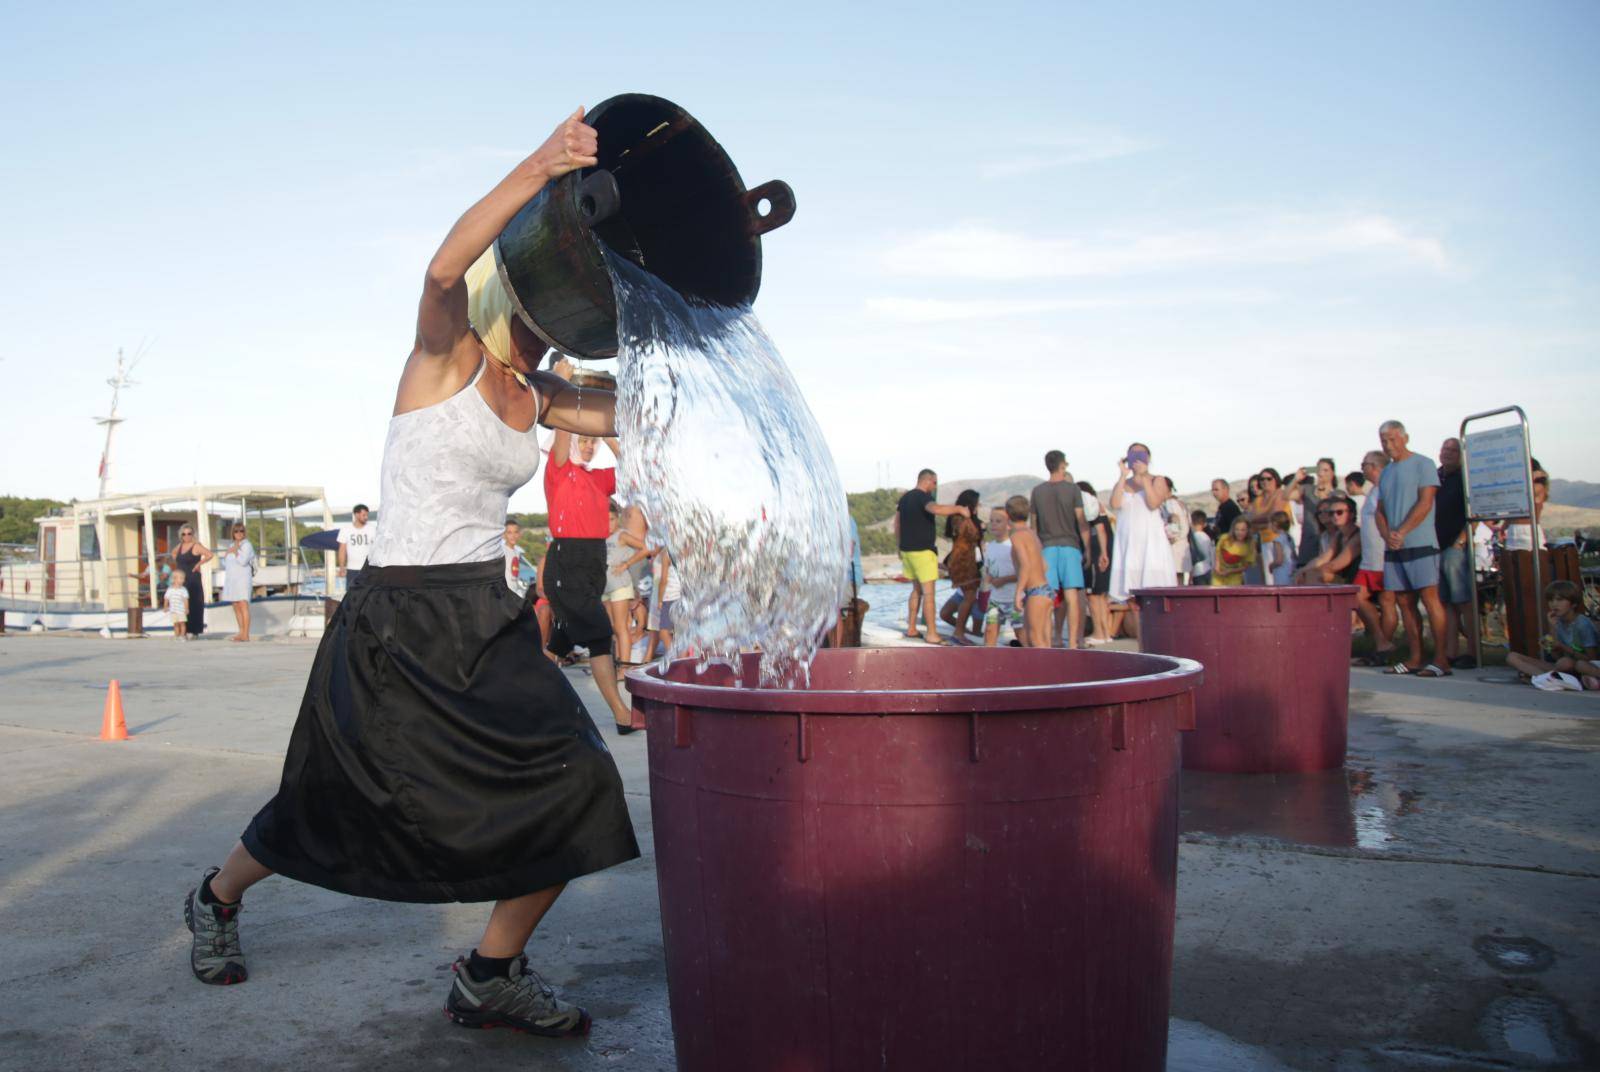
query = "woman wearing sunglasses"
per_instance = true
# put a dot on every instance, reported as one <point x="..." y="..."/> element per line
<point x="1340" y="557"/>
<point x="189" y="555"/>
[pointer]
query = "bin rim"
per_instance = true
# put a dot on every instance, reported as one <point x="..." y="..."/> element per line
<point x="1177" y="676"/>
<point x="1237" y="591"/>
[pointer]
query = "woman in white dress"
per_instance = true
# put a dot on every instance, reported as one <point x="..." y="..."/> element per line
<point x="1143" y="557"/>
<point x="238" y="577"/>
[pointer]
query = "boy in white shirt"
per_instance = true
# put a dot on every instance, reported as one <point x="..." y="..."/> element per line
<point x="1001" y="575"/>
<point x="178" y="605"/>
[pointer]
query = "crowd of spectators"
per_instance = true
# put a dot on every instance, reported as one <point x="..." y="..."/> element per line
<point x="1057" y="568"/>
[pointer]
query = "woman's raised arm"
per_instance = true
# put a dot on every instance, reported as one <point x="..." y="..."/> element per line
<point x="442" y="313"/>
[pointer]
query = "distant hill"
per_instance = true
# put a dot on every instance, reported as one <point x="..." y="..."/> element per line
<point x="1575" y="493"/>
<point x="992" y="491"/>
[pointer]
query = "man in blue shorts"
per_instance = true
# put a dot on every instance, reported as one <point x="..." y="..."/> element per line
<point x="1406" y="493"/>
<point x="1057" y="508"/>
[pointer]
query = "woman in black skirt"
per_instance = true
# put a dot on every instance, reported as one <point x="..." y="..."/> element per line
<point x="437" y="756"/>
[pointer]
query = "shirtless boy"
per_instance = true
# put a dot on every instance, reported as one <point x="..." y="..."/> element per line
<point x="1034" y="594"/>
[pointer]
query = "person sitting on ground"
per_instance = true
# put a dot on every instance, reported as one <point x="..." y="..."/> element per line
<point x="965" y="537"/>
<point x="1340" y="559"/>
<point x="913" y="530"/>
<point x="1001" y="574"/>
<point x="1227" y="509"/>
<point x="178" y="605"/>
<point x="1572" y="645"/>
<point x="1277" y="550"/>
<point x="1236" y="554"/>
<point x="1197" y="559"/>
<point x="1034" y="594"/>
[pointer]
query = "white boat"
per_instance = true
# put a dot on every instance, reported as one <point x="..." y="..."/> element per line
<point x="96" y="559"/>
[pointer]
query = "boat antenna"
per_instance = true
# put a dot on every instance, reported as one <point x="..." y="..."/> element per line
<point x="117" y="383"/>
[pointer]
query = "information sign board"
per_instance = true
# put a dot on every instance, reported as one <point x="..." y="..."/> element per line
<point x="1497" y="473"/>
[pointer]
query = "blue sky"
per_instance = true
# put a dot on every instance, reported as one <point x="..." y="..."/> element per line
<point x="1245" y="234"/>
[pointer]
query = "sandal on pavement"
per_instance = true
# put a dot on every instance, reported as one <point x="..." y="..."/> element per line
<point x="1433" y="670"/>
<point x="1401" y="669"/>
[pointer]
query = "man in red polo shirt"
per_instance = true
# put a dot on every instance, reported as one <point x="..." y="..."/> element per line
<point x="578" y="498"/>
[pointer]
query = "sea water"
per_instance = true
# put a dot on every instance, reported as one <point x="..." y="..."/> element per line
<point x="721" y="451"/>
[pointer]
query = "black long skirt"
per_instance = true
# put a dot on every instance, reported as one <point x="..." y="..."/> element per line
<point x="438" y="755"/>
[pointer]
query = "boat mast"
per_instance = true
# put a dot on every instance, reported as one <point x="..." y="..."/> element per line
<point x="117" y="382"/>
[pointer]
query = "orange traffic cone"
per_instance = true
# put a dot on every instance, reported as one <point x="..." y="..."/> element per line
<point x="114" y="727"/>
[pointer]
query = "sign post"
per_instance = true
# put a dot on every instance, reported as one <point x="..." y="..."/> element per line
<point x="1497" y="472"/>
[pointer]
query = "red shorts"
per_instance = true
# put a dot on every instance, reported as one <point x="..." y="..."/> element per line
<point x="1371" y="580"/>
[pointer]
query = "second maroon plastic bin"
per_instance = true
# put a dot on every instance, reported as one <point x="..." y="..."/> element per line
<point x="925" y="860"/>
<point x="1277" y="663"/>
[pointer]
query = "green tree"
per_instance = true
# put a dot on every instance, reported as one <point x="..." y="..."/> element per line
<point x="877" y="541"/>
<point x="871" y="507"/>
<point x="16" y="518"/>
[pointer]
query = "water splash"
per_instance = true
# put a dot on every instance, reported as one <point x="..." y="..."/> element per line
<point x="724" y="456"/>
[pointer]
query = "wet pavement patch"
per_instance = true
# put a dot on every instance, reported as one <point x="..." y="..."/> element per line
<point x="1353" y="808"/>
<point x="1517" y="956"/>
<point x="1529" y="1026"/>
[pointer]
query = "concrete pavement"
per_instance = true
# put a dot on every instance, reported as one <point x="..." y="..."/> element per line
<point x="1434" y="906"/>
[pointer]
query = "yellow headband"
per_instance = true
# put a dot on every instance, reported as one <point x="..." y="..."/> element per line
<point x="489" y="310"/>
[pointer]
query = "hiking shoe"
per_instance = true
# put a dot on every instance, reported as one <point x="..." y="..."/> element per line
<point x="214" y="955"/>
<point x="522" y="1001"/>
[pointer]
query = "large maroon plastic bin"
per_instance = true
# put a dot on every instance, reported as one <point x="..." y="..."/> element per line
<point x="1277" y="663"/>
<point x="925" y="860"/>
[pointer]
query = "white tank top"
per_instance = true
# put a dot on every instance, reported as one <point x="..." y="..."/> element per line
<point x="448" y="473"/>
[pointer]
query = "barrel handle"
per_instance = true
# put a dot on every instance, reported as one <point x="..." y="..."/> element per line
<point x="598" y="197"/>
<point x="682" y="726"/>
<point x="780" y="199"/>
